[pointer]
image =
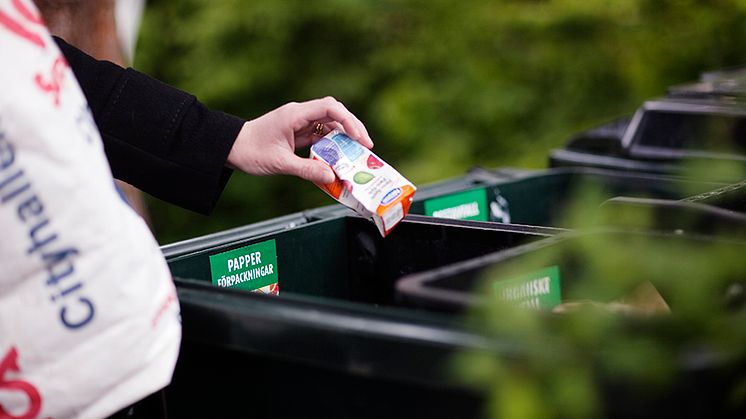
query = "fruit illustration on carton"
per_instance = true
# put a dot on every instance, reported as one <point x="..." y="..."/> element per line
<point x="363" y="181"/>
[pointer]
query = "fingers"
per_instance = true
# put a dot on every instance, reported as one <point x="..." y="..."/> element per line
<point x="329" y="109"/>
<point x="327" y="127"/>
<point x="313" y="170"/>
<point x="303" y="140"/>
<point x="321" y="127"/>
<point x="331" y="126"/>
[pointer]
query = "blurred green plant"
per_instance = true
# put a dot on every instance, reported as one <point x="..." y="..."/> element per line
<point x="615" y="350"/>
<point x="442" y="85"/>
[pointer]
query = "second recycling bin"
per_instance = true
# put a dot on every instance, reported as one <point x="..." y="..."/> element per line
<point x="540" y="197"/>
<point x="333" y="343"/>
<point x="544" y="275"/>
<point x="560" y="259"/>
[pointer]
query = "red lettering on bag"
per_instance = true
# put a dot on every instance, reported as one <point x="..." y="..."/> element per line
<point x="53" y="83"/>
<point x="27" y="13"/>
<point x="170" y="299"/>
<point x="10" y="363"/>
<point x="17" y="27"/>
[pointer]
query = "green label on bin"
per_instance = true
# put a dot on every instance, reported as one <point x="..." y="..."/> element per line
<point x="467" y="205"/>
<point x="251" y="267"/>
<point x="537" y="290"/>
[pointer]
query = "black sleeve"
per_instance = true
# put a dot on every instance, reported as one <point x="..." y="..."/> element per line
<point x="157" y="137"/>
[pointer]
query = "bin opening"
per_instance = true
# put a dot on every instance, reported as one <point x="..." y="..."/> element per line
<point x="345" y="258"/>
<point x="544" y="275"/>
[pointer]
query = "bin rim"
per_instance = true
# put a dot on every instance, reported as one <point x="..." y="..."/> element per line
<point x="592" y="160"/>
<point x="193" y="247"/>
<point x="413" y="285"/>
<point x="522" y="174"/>
<point x="172" y="250"/>
<point x="722" y="215"/>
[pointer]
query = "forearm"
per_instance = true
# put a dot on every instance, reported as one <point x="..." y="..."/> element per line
<point x="157" y="137"/>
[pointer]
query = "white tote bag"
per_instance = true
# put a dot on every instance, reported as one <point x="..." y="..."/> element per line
<point x="89" y="321"/>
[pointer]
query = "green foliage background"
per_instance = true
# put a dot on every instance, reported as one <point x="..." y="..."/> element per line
<point x="441" y="85"/>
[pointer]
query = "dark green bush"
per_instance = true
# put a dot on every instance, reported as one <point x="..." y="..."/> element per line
<point x="441" y="85"/>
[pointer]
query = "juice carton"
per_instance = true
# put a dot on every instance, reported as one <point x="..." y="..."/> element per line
<point x="364" y="182"/>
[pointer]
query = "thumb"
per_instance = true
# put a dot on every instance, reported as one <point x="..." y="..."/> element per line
<point x="309" y="169"/>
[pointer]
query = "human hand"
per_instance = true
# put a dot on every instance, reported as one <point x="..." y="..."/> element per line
<point x="266" y="145"/>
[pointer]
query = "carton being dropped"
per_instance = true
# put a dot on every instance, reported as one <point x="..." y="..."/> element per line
<point x="364" y="182"/>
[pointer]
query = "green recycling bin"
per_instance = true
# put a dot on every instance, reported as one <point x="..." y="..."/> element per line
<point x="334" y="343"/>
<point x="544" y="275"/>
<point x="663" y="135"/>
<point x="541" y="197"/>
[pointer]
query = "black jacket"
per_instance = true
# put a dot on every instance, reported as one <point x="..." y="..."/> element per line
<point x="156" y="137"/>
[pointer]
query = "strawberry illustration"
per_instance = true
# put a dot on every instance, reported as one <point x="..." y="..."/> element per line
<point x="374" y="163"/>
